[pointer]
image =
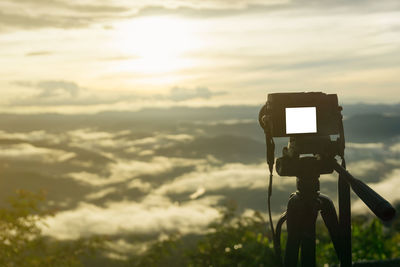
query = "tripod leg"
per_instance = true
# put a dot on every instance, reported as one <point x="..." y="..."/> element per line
<point x="331" y="221"/>
<point x="277" y="241"/>
<point x="301" y="216"/>
<point x="309" y="217"/>
<point x="345" y="221"/>
<point x="293" y="232"/>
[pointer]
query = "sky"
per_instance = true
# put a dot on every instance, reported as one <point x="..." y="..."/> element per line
<point x="86" y="56"/>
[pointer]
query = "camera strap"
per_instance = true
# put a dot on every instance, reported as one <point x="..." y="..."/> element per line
<point x="344" y="205"/>
<point x="270" y="160"/>
<point x="265" y="123"/>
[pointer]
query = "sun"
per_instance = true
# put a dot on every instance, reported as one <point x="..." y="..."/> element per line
<point x="156" y="44"/>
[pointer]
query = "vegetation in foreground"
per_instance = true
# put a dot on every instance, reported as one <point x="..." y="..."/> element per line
<point x="244" y="241"/>
<point x="234" y="240"/>
<point x="22" y="243"/>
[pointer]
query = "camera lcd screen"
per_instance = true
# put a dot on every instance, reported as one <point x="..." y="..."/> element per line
<point x="301" y="120"/>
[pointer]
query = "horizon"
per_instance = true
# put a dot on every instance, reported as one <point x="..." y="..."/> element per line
<point x="71" y="110"/>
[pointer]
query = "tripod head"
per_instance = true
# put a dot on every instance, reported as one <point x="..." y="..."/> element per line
<point x="322" y="149"/>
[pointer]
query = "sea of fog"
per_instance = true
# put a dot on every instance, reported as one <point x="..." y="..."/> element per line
<point x="158" y="171"/>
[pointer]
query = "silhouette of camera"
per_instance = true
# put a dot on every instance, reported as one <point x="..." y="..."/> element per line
<point x="308" y="114"/>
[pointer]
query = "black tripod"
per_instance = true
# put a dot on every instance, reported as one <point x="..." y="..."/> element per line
<point x="301" y="215"/>
<point x="306" y="202"/>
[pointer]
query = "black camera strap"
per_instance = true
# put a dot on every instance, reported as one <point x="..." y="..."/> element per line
<point x="264" y="120"/>
<point x="344" y="205"/>
<point x="270" y="145"/>
<point x="270" y="150"/>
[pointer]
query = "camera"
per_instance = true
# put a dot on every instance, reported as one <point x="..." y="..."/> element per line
<point x="309" y="119"/>
<point x="306" y="113"/>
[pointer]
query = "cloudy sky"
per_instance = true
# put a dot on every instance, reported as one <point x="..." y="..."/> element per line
<point x="85" y="56"/>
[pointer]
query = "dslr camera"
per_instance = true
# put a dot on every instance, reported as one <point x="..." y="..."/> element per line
<point x="311" y="120"/>
<point x="294" y="114"/>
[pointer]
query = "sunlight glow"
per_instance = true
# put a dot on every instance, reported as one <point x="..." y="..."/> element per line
<point x="157" y="44"/>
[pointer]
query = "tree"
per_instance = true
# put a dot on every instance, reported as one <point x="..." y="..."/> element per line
<point x="234" y="241"/>
<point x="238" y="240"/>
<point x="21" y="240"/>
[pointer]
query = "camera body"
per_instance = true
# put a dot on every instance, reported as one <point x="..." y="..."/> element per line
<point x="307" y="113"/>
<point x="309" y="119"/>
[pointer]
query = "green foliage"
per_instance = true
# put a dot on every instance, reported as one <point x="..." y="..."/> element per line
<point x="234" y="241"/>
<point x="162" y="253"/>
<point x="371" y="242"/>
<point x="237" y="240"/>
<point x="21" y="242"/>
<point x="325" y="252"/>
<point x="231" y="241"/>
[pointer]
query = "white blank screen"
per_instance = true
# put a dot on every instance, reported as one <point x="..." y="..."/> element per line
<point x="301" y="120"/>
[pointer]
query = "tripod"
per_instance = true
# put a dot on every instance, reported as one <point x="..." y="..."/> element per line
<point x="301" y="215"/>
<point x="306" y="202"/>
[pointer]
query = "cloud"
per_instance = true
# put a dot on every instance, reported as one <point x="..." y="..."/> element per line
<point x="395" y="148"/>
<point x="150" y="145"/>
<point x="225" y="147"/>
<point x="58" y="88"/>
<point x="365" y="145"/>
<point x="38" y="53"/>
<point x="64" y="93"/>
<point x="33" y="136"/>
<point x="61" y="92"/>
<point x="199" y="192"/>
<point x="161" y="140"/>
<point x="101" y="193"/>
<point x="139" y="184"/>
<point x="210" y="9"/>
<point x="154" y="214"/>
<point x="28" y="152"/>
<point x="158" y="212"/>
<point x="221" y="8"/>
<point x="29" y="22"/>
<point x="181" y="94"/>
<point x="214" y="179"/>
<point x="123" y="143"/>
<point x="364" y="167"/>
<point x="90" y="135"/>
<point x="51" y="92"/>
<point x="388" y="188"/>
<point x="120" y="249"/>
<point x="127" y="170"/>
<point x="90" y="6"/>
<point x="31" y="14"/>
